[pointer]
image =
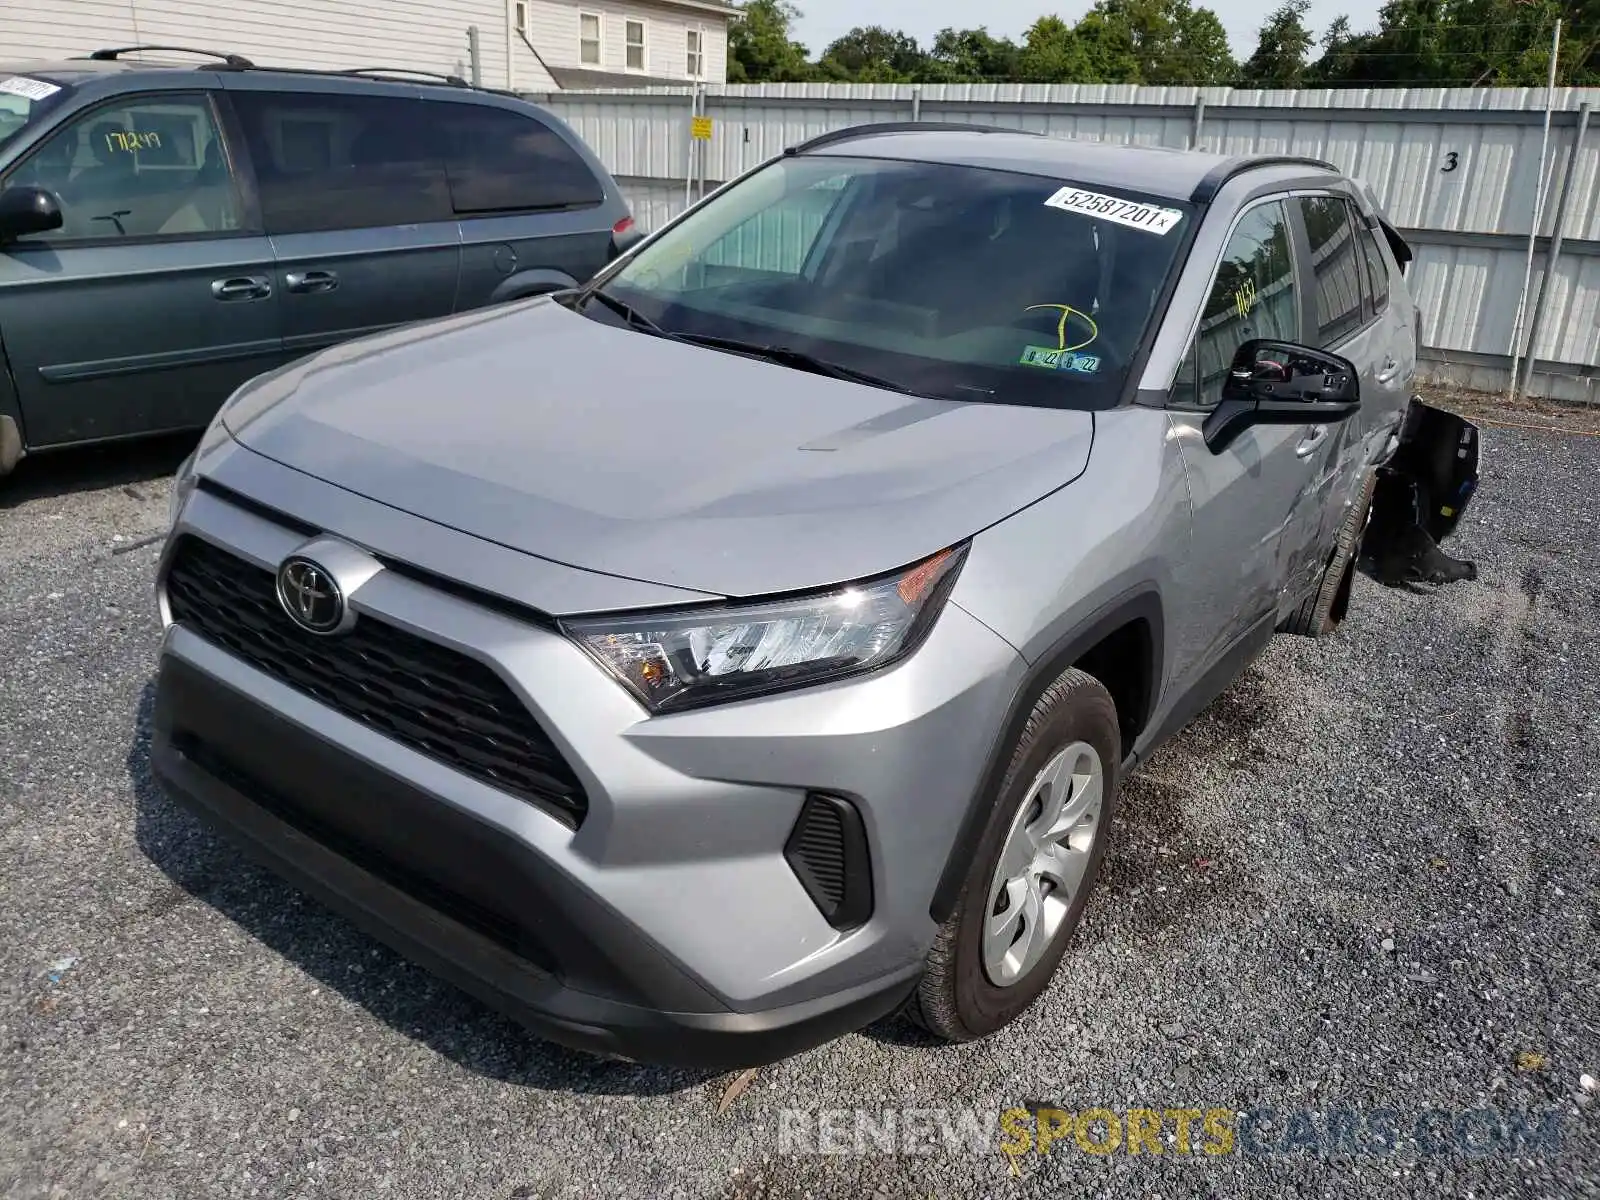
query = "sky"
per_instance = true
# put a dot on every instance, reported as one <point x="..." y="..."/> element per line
<point x="825" y="20"/>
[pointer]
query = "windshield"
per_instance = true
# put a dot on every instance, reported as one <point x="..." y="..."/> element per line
<point x="23" y="100"/>
<point x="951" y="281"/>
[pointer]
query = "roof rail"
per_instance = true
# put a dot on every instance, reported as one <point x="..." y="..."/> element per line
<point x="402" y="73"/>
<point x="855" y="131"/>
<point x="237" y="61"/>
<point x="1212" y="182"/>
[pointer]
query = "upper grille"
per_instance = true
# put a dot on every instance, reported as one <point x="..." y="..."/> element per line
<point x="437" y="701"/>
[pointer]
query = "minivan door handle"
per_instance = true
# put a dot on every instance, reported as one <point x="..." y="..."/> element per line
<point x="1390" y="370"/>
<point x="311" y="281"/>
<point x="242" y="287"/>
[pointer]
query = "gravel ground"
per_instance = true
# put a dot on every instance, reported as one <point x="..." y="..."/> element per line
<point x="1366" y="879"/>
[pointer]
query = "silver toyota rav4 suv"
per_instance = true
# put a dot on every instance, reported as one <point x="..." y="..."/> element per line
<point x="717" y="657"/>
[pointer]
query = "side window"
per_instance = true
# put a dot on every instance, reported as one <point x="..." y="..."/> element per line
<point x="1254" y="296"/>
<point x="502" y="161"/>
<point x="326" y="161"/>
<point x="1335" y="267"/>
<point x="1377" y="270"/>
<point x="151" y="167"/>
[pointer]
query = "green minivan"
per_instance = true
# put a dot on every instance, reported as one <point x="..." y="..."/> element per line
<point x="167" y="231"/>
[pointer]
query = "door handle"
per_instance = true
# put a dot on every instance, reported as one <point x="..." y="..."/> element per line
<point x="1390" y="370"/>
<point x="1314" y="437"/>
<point x="311" y="281"/>
<point x="242" y="287"/>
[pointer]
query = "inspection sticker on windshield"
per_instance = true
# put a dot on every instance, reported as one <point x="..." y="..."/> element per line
<point x="1059" y="360"/>
<point x="1149" y="217"/>
<point x="30" y="89"/>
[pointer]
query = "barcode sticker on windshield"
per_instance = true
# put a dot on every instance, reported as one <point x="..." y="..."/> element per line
<point x="1149" y="217"/>
<point x="30" y="89"/>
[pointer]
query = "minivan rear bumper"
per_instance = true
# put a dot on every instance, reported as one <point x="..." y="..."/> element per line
<point x="318" y="816"/>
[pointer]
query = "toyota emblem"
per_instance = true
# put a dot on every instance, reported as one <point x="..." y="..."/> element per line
<point x="310" y="596"/>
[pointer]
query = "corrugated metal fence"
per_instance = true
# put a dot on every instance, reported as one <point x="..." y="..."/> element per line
<point x="1457" y="169"/>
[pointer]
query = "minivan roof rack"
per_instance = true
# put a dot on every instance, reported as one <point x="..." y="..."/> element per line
<point x="856" y="131"/>
<point x="237" y="61"/>
<point x="1212" y="181"/>
<point x="402" y="73"/>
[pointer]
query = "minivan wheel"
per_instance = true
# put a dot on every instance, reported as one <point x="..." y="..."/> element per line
<point x="1035" y="867"/>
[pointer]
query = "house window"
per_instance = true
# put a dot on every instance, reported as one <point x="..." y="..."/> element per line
<point x="522" y="16"/>
<point x="697" y="54"/>
<point x="589" y="39"/>
<point x="634" y="44"/>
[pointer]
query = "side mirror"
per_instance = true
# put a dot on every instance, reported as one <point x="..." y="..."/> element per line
<point x="1282" y="383"/>
<point x="27" y="210"/>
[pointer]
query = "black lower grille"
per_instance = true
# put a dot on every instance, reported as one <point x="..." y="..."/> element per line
<point x="827" y="851"/>
<point x="442" y="703"/>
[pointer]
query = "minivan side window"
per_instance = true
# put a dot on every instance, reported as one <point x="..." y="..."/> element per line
<point x="502" y="161"/>
<point x="1335" y="267"/>
<point x="327" y="161"/>
<point x="148" y="167"/>
<point x="1254" y="295"/>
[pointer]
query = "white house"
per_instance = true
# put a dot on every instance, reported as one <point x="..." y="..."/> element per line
<point x="522" y="45"/>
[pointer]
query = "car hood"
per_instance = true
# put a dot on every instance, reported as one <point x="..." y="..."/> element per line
<point x="611" y="450"/>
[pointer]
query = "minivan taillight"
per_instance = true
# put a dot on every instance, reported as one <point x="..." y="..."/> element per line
<point x="623" y="234"/>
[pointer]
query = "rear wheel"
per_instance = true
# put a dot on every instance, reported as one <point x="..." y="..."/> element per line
<point x="1036" y="864"/>
<point x="1323" y="611"/>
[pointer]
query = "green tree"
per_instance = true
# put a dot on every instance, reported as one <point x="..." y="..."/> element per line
<point x="1156" y="42"/>
<point x="873" y="54"/>
<point x="971" y="56"/>
<point x="1281" y="49"/>
<point x="1464" y="43"/>
<point x="759" y="47"/>
<point x="1052" y="52"/>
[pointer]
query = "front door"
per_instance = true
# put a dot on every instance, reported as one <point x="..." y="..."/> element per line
<point x="155" y="299"/>
<point x="1256" y="515"/>
<point x="355" y="198"/>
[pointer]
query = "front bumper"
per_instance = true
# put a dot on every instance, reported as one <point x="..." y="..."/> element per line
<point x="399" y="864"/>
<point x="668" y="926"/>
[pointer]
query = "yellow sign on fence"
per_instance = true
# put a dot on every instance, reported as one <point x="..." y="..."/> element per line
<point x="700" y="128"/>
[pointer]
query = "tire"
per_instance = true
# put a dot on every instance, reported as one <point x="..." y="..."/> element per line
<point x="1323" y="611"/>
<point x="958" y="998"/>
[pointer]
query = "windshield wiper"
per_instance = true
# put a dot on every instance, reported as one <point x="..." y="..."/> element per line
<point x="626" y="311"/>
<point x="801" y="360"/>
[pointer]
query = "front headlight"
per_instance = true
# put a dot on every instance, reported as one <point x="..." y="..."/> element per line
<point x="672" y="661"/>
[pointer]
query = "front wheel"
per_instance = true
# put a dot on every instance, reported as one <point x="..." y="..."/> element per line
<point x="1036" y="864"/>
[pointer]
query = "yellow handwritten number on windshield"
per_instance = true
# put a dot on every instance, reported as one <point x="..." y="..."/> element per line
<point x="1067" y="312"/>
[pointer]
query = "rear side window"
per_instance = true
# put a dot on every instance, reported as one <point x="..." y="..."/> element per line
<point x="1377" y="270"/>
<point x="1335" y="267"/>
<point x="343" y="162"/>
<point x="501" y="161"/>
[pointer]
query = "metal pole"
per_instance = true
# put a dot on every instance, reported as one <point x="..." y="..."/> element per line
<point x="916" y="103"/>
<point x="1199" y="123"/>
<point x="688" y="168"/>
<point x="1543" y="301"/>
<point x="705" y="146"/>
<point x="1538" y="217"/>
<point x="475" y="55"/>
